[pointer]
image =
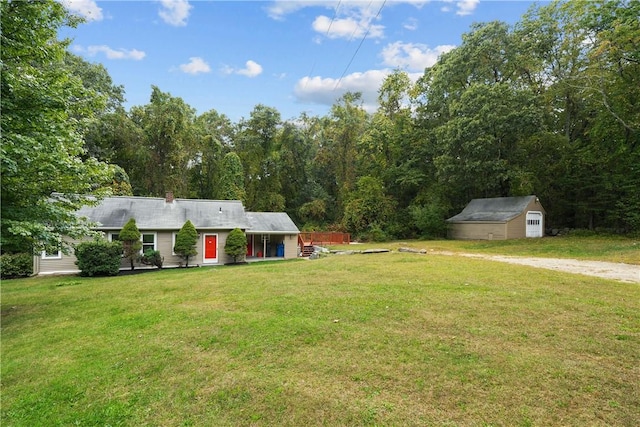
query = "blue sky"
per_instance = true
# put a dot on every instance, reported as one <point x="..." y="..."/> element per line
<point x="295" y="56"/>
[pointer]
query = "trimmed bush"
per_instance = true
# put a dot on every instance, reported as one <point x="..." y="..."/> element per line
<point x="16" y="265"/>
<point x="152" y="257"/>
<point x="99" y="258"/>
<point x="186" y="240"/>
<point x="236" y="245"/>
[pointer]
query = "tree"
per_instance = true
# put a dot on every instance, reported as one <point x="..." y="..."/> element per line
<point x="232" y="178"/>
<point x="236" y="245"/>
<point x="169" y="143"/>
<point x="256" y="146"/>
<point x="215" y="133"/>
<point x="131" y="243"/>
<point x="368" y="211"/>
<point x="186" y="240"/>
<point x="46" y="175"/>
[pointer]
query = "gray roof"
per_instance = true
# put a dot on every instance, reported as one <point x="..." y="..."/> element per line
<point x="498" y="209"/>
<point x="271" y="222"/>
<point x="154" y="213"/>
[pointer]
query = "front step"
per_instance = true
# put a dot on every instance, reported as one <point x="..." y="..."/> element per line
<point x="307" y="251"/>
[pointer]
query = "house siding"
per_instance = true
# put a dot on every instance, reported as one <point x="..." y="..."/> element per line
<point x="477" y="231"/>
<point x="291" y="246"/>
<point x="516" y="228"/>
<point x="64" y="265"/>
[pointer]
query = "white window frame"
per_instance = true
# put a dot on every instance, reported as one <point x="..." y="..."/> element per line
<point x="113" y="233"/>
<point x="173" y="242"/>
<point x="57" y="255"/>
<point x="155" y="240"/>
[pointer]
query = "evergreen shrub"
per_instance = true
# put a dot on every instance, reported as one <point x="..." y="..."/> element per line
<point x="99" y="258"/>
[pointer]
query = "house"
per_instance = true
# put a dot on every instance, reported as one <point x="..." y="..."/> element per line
<point x="498" y="218"/>
<point x="269" y="234"/>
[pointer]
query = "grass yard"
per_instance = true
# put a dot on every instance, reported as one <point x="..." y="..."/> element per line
<point x="386" y="339"/>
<point x="610" y="248"/>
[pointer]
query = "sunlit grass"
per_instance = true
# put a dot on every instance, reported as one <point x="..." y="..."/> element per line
<point x="609" y="248"/>
<point x="385" y="339"/>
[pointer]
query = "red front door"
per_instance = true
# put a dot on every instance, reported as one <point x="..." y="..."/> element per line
<point x="250" y="245"/>
<point x="210" y="247"/>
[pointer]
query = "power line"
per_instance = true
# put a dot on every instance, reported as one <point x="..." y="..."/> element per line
<point x="313" y="66"/>
<point x="360" y="45"/>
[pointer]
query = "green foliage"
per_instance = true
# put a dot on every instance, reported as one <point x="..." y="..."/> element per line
<point x="186" y="240"/>
<point x="256" y="146"/>
<point x="43" y="109"/>
<point x="169" y="145"/>
<point x="232" y="178"/>
<point x="369" y="210"/>
<point x="236" y="245"/>
<point x="130" y="238"/>
<point x="151" y="257"/>
<point x="99" y="257"/>
<point x="16" y="265"/>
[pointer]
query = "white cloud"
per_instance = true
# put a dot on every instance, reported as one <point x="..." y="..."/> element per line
<point x="410" y="24"/>
<point x="347" y="28"/>
<point x="466" y="7"/>
<point x="412" y="56"/>
<point x="196" y="65"/>
<point x="110" y="53"/>
<point x="280" y="8"/>
<point x="175" y="12"/>
<point x="327" y="91"/>
<point x="251" y="69"/>
<point x="88" y="9"/>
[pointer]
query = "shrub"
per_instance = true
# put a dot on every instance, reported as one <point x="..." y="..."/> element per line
<point x="99" y="258"/>
<point x="16" y="265"/>
<point x="130" y="238"/>
<point x="236" y="245"/>
<point x="186" y="240"/>
<point x="151" y="257"/>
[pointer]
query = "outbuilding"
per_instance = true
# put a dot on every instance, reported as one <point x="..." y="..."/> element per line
<point x="498" y="218"/>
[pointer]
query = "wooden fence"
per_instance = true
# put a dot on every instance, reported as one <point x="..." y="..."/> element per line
<point x="325" y="238"/>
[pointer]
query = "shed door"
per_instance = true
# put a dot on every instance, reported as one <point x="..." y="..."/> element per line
<point x="534" y="224"/>
<point x="210" y="248"/>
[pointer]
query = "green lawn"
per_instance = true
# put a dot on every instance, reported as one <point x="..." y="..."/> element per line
<point x="609" y="248"/>
<point x="385" y="339"/>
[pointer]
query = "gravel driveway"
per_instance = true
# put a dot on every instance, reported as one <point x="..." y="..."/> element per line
<point x="609" y="270"/>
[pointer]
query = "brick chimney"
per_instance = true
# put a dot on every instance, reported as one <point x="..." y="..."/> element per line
<point x="169" y="197"/>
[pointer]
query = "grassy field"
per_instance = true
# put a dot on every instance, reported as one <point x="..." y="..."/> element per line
<point x="385" y="339"/>
<point x="610" y="248"/>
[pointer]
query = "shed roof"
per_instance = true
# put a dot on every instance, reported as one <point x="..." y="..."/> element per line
<point x="497" y="209"/>
<point x="155" y="213"/>
<point x="271" y="222"/>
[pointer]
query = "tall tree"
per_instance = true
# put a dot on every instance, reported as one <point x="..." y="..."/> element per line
<point x="231" y="185"/>
<point x="255" y="143"/>
<point x="42" y="148"/>
<point x="215" y="133"/>
<point x="343" y="129"/>
<point x="170" y="142"/>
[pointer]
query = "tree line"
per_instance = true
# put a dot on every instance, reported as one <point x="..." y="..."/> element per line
<point x="549" y="106"/>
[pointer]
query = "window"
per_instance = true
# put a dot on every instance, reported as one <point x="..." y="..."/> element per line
<point x="173" y="242"/>
<point x="148" y="242"/>
<point x="52" y="254"/>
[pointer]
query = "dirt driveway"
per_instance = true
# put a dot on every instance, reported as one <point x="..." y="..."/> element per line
<point x="609" y="270"/>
